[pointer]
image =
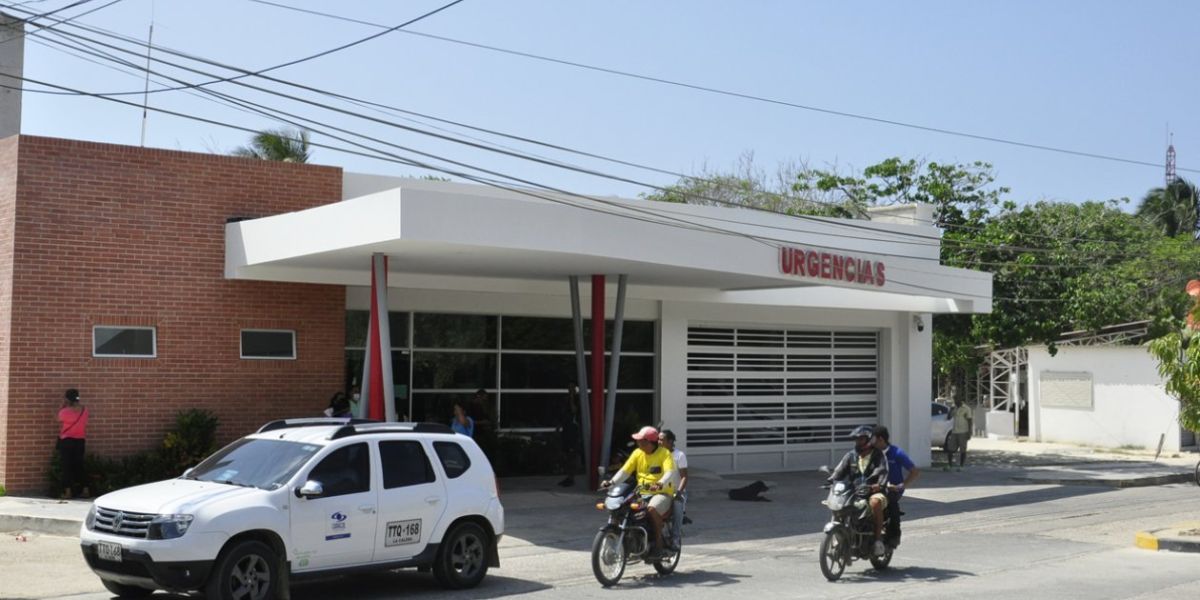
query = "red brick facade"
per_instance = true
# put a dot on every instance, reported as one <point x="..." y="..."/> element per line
<point x="99" y="234"/>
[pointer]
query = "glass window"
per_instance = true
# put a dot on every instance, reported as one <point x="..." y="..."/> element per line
<point x="634" y="411"/>
<point x="638" y="336"/>
<point x="124" y="342"/>
<point x="438" y="407"/>
<point x="358" y="323"/>
<point x="454" y="458"/>
<point x="264" y="464"/>
<point x="404" y="463"/>
<point x="537" y="333"/>
<point x="533" y="410"/>
<point x="637" y="372"/>
<point x="537" y="371"/>
<point x="269" y="344"/>
<point x="454" y="331"/>
<point x="345" y="471"/>
<point x="454" y="370"/>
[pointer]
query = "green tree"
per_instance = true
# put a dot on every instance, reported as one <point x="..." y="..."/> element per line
<point x="752" y="187"/>
<point x="1178" y="354"/>
<point x="1174" y="209"/>
<point x="284" y="145"/>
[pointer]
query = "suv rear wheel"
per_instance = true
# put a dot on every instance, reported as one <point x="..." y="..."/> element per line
<point x="462" y="558"/>
<point x="248" y="570"/>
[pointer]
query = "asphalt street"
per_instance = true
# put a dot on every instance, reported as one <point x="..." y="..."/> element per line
<point x="972" y="534"/>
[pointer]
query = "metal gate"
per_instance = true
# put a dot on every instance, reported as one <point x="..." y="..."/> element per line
<point x="762" y="399"/>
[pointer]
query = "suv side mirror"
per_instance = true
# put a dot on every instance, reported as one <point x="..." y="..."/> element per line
<point x="310" y="489"/>
<point x="188" y="472"/>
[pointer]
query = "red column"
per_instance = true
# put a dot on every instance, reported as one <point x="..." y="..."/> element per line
<point x="376" y="408"/>
<point x="597" y="383"/>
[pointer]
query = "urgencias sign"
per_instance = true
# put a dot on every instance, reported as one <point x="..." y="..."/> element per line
<point x="801" y="262"/>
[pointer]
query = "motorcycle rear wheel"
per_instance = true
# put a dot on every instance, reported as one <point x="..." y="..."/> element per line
<point x="608" y="557"/>
<point x="667" y="565"/>
<point x="881" y="562"/>
<point x="835" y="554"/>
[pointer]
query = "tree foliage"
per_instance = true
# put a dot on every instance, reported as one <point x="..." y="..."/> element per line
<point x="1174" y="209"/>
<point x="283" y="145"/>
<point x="1178" y="354"/>
<point x="749" y="186"/>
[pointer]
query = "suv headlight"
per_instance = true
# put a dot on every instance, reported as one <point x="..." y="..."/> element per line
<point x="90" y="520"/>
<point x="169" y="527"/>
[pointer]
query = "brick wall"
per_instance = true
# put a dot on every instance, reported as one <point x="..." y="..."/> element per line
<point x="117" y="235"/>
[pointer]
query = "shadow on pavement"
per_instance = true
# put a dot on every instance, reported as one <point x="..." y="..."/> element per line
<point x="410" y="583"/>
<point x="698" y="578"/>
<point x="904" y="574"/>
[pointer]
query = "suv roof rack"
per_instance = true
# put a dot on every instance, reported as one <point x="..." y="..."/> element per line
<point x="361" y="427"/>
<point x="311" y="422"/>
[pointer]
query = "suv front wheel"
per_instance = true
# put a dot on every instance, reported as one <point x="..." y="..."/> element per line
<point x="247" y="570"/>
<point x="462" y="558"/>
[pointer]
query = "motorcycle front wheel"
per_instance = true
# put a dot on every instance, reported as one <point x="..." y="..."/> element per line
<point x="835" y="554"/>
<point x="608" y="557"/>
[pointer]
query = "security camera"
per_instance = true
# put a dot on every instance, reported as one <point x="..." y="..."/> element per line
<point x="919" y="322"/>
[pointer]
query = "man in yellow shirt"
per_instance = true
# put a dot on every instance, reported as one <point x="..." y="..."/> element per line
<point x="656" y="473"/>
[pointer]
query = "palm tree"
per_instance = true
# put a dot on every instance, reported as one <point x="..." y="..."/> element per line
<point x="1175" y="209"/>
<point x="285" y="145"/>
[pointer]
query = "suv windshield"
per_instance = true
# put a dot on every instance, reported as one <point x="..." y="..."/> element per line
<point x="264" y="464"/>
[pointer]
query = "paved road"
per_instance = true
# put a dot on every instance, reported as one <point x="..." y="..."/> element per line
<point x="972" y="534"/>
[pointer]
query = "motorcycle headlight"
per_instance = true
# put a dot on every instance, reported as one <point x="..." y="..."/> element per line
<point x="613" y="503"/>
<point x="169" y="527"/>
<point x="90" y="520"/>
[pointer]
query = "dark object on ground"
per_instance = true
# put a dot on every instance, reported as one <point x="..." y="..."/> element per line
<point x="750" y="493"/>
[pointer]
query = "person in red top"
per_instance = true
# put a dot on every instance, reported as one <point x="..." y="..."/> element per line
<point x="72" y="432"/>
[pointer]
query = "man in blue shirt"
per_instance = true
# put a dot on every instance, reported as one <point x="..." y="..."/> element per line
<point x="898" y="480"/>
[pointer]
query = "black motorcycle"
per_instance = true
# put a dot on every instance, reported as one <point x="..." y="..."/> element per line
<point x="629" y="535"/>
<point x="850" y="532"/>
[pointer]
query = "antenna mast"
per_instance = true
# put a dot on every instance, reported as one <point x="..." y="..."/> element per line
<point x="1170" y="176"/>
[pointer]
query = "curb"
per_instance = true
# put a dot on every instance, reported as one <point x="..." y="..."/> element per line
<point x="42" y="525"/>
<point x="1171" y="539"/>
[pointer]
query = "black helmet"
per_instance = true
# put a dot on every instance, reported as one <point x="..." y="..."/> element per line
<point x="861" y="431"/>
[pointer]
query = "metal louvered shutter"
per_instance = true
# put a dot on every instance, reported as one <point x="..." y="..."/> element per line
<point x="761" y="399"/>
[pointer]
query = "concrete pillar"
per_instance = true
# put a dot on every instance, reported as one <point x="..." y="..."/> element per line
<point x="12" y="68"/>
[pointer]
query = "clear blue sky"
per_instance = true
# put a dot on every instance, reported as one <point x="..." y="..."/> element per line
<point x="1103" y="77"/>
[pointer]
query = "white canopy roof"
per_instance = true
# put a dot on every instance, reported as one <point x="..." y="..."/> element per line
<point x="442" y="235"/>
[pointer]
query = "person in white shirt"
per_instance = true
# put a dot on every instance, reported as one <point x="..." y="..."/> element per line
<point x="667" y="439"/>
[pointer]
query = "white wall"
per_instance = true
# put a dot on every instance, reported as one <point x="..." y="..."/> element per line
<point x="1129" y="404"/>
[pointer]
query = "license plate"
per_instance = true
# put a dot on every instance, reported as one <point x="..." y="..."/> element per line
<point x="398" y="533"/>
<point x="108" y="551"/>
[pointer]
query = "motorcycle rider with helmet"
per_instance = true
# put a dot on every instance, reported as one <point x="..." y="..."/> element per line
<point x="865" y="461"/>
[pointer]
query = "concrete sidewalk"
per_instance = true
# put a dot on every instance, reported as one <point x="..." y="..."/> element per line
<point x="989" y="461"/>
<point x="1184" y="537"/>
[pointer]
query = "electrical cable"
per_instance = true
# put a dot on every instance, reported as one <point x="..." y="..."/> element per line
<point x="746" y="96"/>
<point x="935" y="240"/>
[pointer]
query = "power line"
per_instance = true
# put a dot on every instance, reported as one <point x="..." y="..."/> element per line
<point x="934" y="240"/>
<point x="872" y="229"/>
<point x="742" y="95"/>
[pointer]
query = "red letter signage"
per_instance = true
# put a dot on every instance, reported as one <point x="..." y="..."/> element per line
<point x="811" y="264"/>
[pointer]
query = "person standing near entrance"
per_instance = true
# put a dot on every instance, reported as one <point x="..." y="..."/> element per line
<point x="72" y="432"/>
<point x="964" y="421"/>
<point x="569" y="436"/>
<point x="461" y="423"/>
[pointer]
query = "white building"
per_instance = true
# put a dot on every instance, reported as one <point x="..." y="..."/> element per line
<point x="761" y="339"/>
<point x="1108" y="396"/>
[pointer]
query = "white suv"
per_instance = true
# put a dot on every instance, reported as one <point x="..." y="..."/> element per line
<point x="303" y="498"/>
